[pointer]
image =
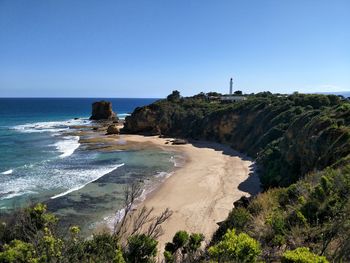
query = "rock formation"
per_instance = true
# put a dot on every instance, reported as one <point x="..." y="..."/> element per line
<point x="112" y="129"/>
<point x="102" y="110"/>
<point x="179" y="142"/>
<point x="289" y="136"/>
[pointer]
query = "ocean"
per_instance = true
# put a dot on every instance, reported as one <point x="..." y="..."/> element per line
<point x="41" y="162"/>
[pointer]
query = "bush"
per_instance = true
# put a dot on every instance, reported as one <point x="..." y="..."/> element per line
<point x="235" y="248"/>
<point x="302" y="255"/>
<point x="101" y="247"/>
<point x="277" y="222"/>
<point x="238" y="218"/>
<point x="180" y="239"/>
<point x="184" y="246"/>
<point x="118" y="256"/>
<point x="141" y="249"/>
<point x="296" y="218"/>
<point x="195" y="241"/>
<point x="18" y="251"/>
<point x="169" y="257"/>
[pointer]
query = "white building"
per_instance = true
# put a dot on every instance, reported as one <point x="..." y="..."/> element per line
<point x="232" y="98"/>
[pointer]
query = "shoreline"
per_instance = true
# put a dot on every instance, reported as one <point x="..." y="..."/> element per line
<point x="200" y="193"/>
<point x="202" y="190"/>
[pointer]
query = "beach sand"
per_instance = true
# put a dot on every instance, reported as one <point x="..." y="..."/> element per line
<point x="202" y="192"/>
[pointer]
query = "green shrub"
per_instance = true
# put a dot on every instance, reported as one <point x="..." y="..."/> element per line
<point x="235" y="248"/>
<point x="118" y="256"/>
<point x="195" y="241"/>
<point x="168" y="257"/>
<point x="101" y="247"/>
<point x="296" y="218"/>
<point x="184" y="246"/>
<point x="141" y="249"/>
<point x="310" y="210"/>
<point x="278" y="240"/>
<point x="17" y="252"/>
<point x="277" y="222"/>
<point x="302" y="255"/>
<point x="50" y="247"/>
<point x="180" y="239"/>
<point x="238" y="218"/>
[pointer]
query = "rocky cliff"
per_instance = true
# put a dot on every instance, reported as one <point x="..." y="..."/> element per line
<point x="288" y="135"/>
<point x="102" y="110"/>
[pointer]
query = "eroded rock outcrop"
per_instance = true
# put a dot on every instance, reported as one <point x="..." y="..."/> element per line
<point x="144" y="120"/>
<point x="112" y="129"/>
<point x="290" y="136"/>
<point x="102" y="110"/>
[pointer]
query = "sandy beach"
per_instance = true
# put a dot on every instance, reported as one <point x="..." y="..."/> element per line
<point x="202" y="192"/>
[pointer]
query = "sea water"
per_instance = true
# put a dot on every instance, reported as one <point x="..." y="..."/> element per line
<point x="40" y="162"/>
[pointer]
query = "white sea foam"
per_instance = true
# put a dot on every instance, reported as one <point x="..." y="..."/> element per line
<point x="163" y="175"/>
<point x="67" y="146"/>
<point x="37" y="180"/>
<point x="17" y="193"/>
<point x="177" y="160"/>
<point x="49" y="126"/>
<point x="8" y="172"/>
<point x="78" y="187"/>
<point x="122" y="116"/>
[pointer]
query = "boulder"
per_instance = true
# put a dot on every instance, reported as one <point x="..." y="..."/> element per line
<point x="112" y="129"/>
<point x="102" y="110"/>
<point x="179" y="141"/>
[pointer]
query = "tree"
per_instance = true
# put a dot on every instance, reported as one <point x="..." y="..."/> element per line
<point x="213" y="94"/>
<point x="238" y="92"/>
<point x="302" y="255"/>
<point x="235" y="248"/>
<point x="174" y="96"/>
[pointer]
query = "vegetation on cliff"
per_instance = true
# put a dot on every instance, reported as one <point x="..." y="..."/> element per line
<point x="289" y="136"/>
<point x="302" y="145"/>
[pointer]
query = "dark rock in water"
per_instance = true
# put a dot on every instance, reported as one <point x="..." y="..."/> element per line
<point x="76" y="118"/>
<point x="102" y="110"/>
<point x="112" y="129"/>
<point x="179" y="141"/>
<point x="243" y="202"/>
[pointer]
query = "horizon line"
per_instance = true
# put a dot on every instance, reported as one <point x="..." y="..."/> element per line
<point x="77" y="98"/>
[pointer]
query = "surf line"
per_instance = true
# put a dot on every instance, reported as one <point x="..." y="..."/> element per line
<point x="8" y="172"/>
<point x="82" y="186"/>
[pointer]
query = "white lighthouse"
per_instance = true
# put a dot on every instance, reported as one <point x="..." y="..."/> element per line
<point x="238" y="96"/>
<point x="231" y="86"/>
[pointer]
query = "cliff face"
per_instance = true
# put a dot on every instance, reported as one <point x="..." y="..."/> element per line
<point x="289" y="136"/>
<point x="102" y="110"/>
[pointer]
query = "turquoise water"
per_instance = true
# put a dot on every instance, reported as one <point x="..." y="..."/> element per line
<point x="39" y="161"/>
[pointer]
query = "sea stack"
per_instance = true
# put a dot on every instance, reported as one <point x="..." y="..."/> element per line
<point x="102" y="110"/>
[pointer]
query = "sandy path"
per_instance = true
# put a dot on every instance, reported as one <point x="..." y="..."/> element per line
<point x="202" y="192"/>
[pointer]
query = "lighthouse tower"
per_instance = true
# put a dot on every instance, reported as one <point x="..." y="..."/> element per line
<point x="231" y="86"/>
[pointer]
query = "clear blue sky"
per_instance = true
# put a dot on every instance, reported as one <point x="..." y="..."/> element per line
<point x="72" y="48"/>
